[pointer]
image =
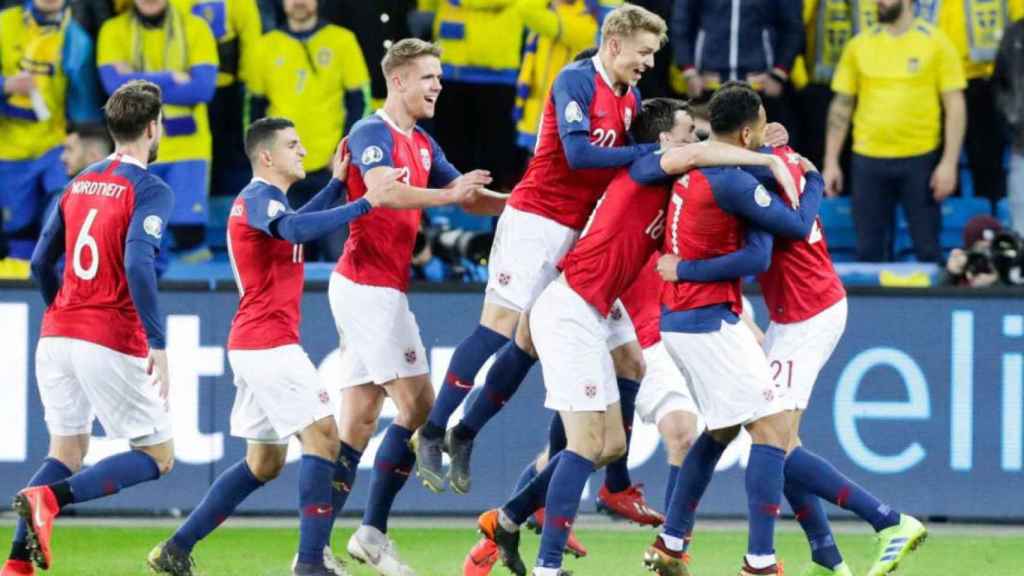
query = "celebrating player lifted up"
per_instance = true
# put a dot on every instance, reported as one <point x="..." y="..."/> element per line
<point x="383" y="353"/>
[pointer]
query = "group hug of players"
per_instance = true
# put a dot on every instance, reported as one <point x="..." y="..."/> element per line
<point x="617" y="263"/>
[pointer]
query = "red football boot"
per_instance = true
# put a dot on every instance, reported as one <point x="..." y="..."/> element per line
<point x="18" y="568"/>
<point x="37" y="506"/>
<point x="481" y="559"/>
<point x="629" y="504"/>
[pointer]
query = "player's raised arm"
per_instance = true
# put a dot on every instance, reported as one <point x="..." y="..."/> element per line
<point x="754" y="258"/>
<point x="45" y="255"/>
<point x="681" y="160"/>
<point x="573" y="94"/>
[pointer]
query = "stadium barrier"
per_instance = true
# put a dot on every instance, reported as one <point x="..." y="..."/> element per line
<point x="922" y="402"/>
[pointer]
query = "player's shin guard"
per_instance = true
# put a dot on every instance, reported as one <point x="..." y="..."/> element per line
<point x="230" y="489"/>
<point x="764" y="482"/>
<point x="108" y="476"/>
<point x="52" y="470"/>
<point x="466" y="362"/>
<point x="391" y="469"/>
<point x="316" y="511"/>
<point x="821" y="478"/>
<point x="532" y="496"/>
<point x="510" y="368"/>
<point x="561" y="506"/>
<point x="694" y="477"/>
<point x="616" y="474"/>
<point x="812" y="518"/>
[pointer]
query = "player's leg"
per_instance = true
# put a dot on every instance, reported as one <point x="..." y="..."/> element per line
<point x="678" y="430"/>
<point x="117" y="387"/>
<point x="413" y="396"/>
<point x="511" y="365"/>
<point x="618" y="496"/>
<point x="64" y="459"/>
<point x="320" y="447"/>
<point x="496" y="327"/>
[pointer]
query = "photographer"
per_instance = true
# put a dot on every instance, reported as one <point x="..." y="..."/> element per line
<point x="974" y="264"/>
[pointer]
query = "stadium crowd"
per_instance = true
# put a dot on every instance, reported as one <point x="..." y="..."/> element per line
<point x="936" y="112"/>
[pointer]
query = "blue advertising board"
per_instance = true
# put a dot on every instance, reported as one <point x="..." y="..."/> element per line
<point x="922" y="403"/>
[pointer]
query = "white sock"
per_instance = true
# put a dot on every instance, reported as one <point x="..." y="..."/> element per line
<point x="672" y="543"/>
<point x="760" y="561"/>
<point x="506" y="523"/>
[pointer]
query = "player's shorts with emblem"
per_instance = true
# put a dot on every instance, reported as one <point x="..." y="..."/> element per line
<point x="524" y="258"/>
<point x="80" y="381"/>
<point x="573" y="342"/>
<point x="664" y="389"/>
<point x="379" y="334"/>
<point x="797" y="352"/>
<point x="728" y="374"/>
<point x="278" y="393"/>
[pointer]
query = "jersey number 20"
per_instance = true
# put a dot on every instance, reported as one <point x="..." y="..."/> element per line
<point x="82" y="243"/>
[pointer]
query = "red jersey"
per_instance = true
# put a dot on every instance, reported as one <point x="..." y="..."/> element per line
<point x="378" y="251"/>
<point x="582" y="99"/>
<point x="641" y="301"/>
<point x="699" y="229"/>
<point x="625" y="229"/>
<point x="801" y="281"/>
<point x="111" y="203"/>
<point x="269" y="271"/>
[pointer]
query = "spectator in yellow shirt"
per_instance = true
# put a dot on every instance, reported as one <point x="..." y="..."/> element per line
<point x="157" y="41"/>
<point x="897" y="81"/>
<point x="312" y="73"/>
<point x="975" y="28"/>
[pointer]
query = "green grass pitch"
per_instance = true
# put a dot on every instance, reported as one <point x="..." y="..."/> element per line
<point x="112" y="551"/>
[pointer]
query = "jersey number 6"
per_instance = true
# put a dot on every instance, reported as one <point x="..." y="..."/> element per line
<point x="83" y="242"/>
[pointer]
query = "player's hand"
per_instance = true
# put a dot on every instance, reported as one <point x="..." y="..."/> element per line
<point x="833" y="176"/>
<point x="342" y="159"/>
<point x="157" y="366"/>
<point x="782" y="175"/>
<point x="775" y="135"/>
<point x="807" y="165"/>
<point x="21" y="84"/>
<point x="694" y="83"/>
<point x="982" y="280"/>
<point x="385" y="190"/>
<point x="943" y="181"/>
<point x="465" y="186"/>
<point x="667" y="267"/>
<point x="180" y="78"/>
<point x="957" y="262"/>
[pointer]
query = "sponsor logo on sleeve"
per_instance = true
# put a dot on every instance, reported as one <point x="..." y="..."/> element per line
<point x="762" y="196"/>
<point x="372" y="155"/>
<point x="154" y="226"/>
<point x="274" y="208"/>
<point x="573" y="113"/>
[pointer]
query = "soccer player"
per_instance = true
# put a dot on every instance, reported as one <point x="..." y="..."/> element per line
<point x="807" y="305"/>
<point x="383" y="353"/>
<point x="574" y="320"/>
<point x="583" y="139"/>
<point x="715" y="212"/>
<point x="102" y="335"/>
<point x="278" y="391"/>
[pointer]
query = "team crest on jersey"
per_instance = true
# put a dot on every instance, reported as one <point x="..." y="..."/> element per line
<point x="325" y="398"/>
<point x="372" y="155"/>
<point x="274" y="208"/>
<point x="769" y="395"/>
<point x="616" y="314"/>
<point x="913" y="64"/>
<point x="590" y="390"/>
<point x="154" y="226"/>
<point x="425" y="158"/>
<point x="324" y="56"/>
<point x="762" y="197"/>
<point x="410" y="356"/>
<point x="573" y="113"/>
<point x="504" y="278"/>
<point x="627" y="117"/>
<point x="279" y="61"/>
